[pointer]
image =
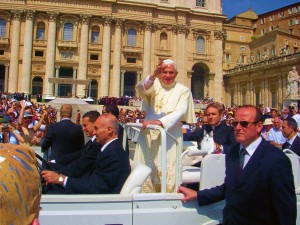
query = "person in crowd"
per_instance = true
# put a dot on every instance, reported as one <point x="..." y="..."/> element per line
<point x="88" y="154"/>
<point x="273" y="114"/>
<point x="26" y="125"/>
<point x="275" y="136"/>
<point x="223" y="135"/>
<point x="78" y="117"/>
<point x="259" y="185"/>
<point x="166" y="104"/>
<point x="9" y="134"/>
<point x="296" y="117"/>
<point x="267" y="126"/>
<point x="110" y="171"/>
<point x="114" y="110"/>
<point x="289" y="130"/>
<point x="64" y="137"/>
<point x="20" y="186"/>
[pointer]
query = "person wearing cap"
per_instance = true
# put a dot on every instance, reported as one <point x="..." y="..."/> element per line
<point x="26" y="125"/>
<point x="267" y="126"/>
<point x="20" y="189"/>
<point x="166" y="103"/>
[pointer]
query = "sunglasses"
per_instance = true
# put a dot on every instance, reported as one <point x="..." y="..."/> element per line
<point x="243" y="123"/>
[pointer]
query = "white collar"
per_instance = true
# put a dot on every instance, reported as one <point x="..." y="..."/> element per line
<point x="253" y="146"/>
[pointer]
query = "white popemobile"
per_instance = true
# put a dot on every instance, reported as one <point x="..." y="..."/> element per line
<point x="131" y="207"/>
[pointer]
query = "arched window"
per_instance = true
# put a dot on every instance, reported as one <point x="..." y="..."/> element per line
<point x="163" y="41"/>
<point x="37" y="86"/>
<point x="200" y="48"/>
<point x="95" y="34"/>
<point x="68" y="32"/>
<point x="131" y="41"/>
<point x="40" y="31"/>
<point x="2" y="28"/>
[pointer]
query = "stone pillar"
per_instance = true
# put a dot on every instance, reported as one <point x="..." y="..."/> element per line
<point x="211" y="81"/>
<point x="280" y="93"/>
<point x="15" y="48"/>
<point x="115" y="86"/>
<point x="266" y="95"/>
<point x="74" y="85"/>
<point x="218" y="51"/>
<point x="83" y="54"/>
<point x="174" y="46"/>
<point x="122" y="82"/>
<point x="50" y="56"/>
<point x="57" y="76"/>
<point x="104" y="84"/>
<point x="6" y="78"/>
<point x="147" y="48"/>
<point x="181" y="67"/>
<point x="25" y="77"/>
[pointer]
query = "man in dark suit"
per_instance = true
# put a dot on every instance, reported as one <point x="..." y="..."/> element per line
<point x="64" y="137"/>
<point x="259" y="186"/>
<point x="114" y="110"/>
<point x="289" y="130"/>
<point x="110" y="171"/>
<point x="88" y="154"/>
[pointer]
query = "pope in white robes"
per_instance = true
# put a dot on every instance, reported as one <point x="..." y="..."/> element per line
<point x="166" y="103"/>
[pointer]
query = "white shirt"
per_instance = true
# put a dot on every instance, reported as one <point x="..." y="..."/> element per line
<point x="250" y="149"/>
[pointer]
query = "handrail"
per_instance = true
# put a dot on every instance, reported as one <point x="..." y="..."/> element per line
<point x="164" y="135"/>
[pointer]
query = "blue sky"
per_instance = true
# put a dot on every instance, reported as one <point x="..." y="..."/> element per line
<point x="234" y="7"/>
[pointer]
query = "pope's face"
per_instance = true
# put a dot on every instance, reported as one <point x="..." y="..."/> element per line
<point x="168" y="75"/>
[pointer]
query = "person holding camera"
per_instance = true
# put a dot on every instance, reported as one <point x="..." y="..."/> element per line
<point x="8" y="133"/>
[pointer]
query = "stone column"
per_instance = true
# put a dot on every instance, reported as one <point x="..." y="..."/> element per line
<point x="211" y="81"/>
<point x="218" y="51"/>
<point x="280" y="93"/>
<point x="25" y="77"/>
<point x="74" y="85"/>
<point x="6" y="78"/>
<point x="50" y="56"/>
<point x="181" y="67"/>
<point x="15" y="48"/>
<point x="147" y="48"/>
<point x="83" y="54"/>
<point x="57" y="76"/>
<point x="122" y="82"/>
<point x="174" y="44"/>
<point x="104" y="84"/>
<point x="115" y="86"/>
<point x="266" y="95"/>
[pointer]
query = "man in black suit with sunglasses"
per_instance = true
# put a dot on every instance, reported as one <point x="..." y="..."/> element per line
<point x="259" y="186"/>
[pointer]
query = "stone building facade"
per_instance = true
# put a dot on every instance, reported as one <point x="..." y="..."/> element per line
<point x="103" y="48"/>
<point x="259" y="52"/>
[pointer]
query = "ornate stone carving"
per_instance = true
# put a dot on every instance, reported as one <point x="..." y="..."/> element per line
<point x="29" y="14"/>
<point x="219" y="34"/>
<point x="66" y="54"/>
<point x="52" y="16"/>
<point x="181" y="29"/>
<point x="85" y="19"/>
<point x="107" y="20"/>
<point x="119" y="22"/>
<point x="93" y="70"/>
<point x="148" y="25"/>
<point x="17" y="14"/>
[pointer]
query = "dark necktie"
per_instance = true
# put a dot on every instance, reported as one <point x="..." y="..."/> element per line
<point x="243" y="153"/>
<point x="286" y="145"/>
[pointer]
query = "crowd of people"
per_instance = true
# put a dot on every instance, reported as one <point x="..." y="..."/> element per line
<point x="258" y="188"/>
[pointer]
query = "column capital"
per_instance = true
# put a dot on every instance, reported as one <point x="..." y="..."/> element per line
<point x="181" y="29"/>
<point x="29" y="14"/>
<point x="52" y="16"/>
<point x="17" y="14"/>
<point x="219" y="35"/>
<point x="107" y="20"/>
<point x="148" y="25"/>
<point x="123" y="71"/>
<point x="75" y="67"/>
<point x="119" y="23"/>
<point x="6" y="64"/>
<point x="57" y="67"/>
<point x="85" y="18"/>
